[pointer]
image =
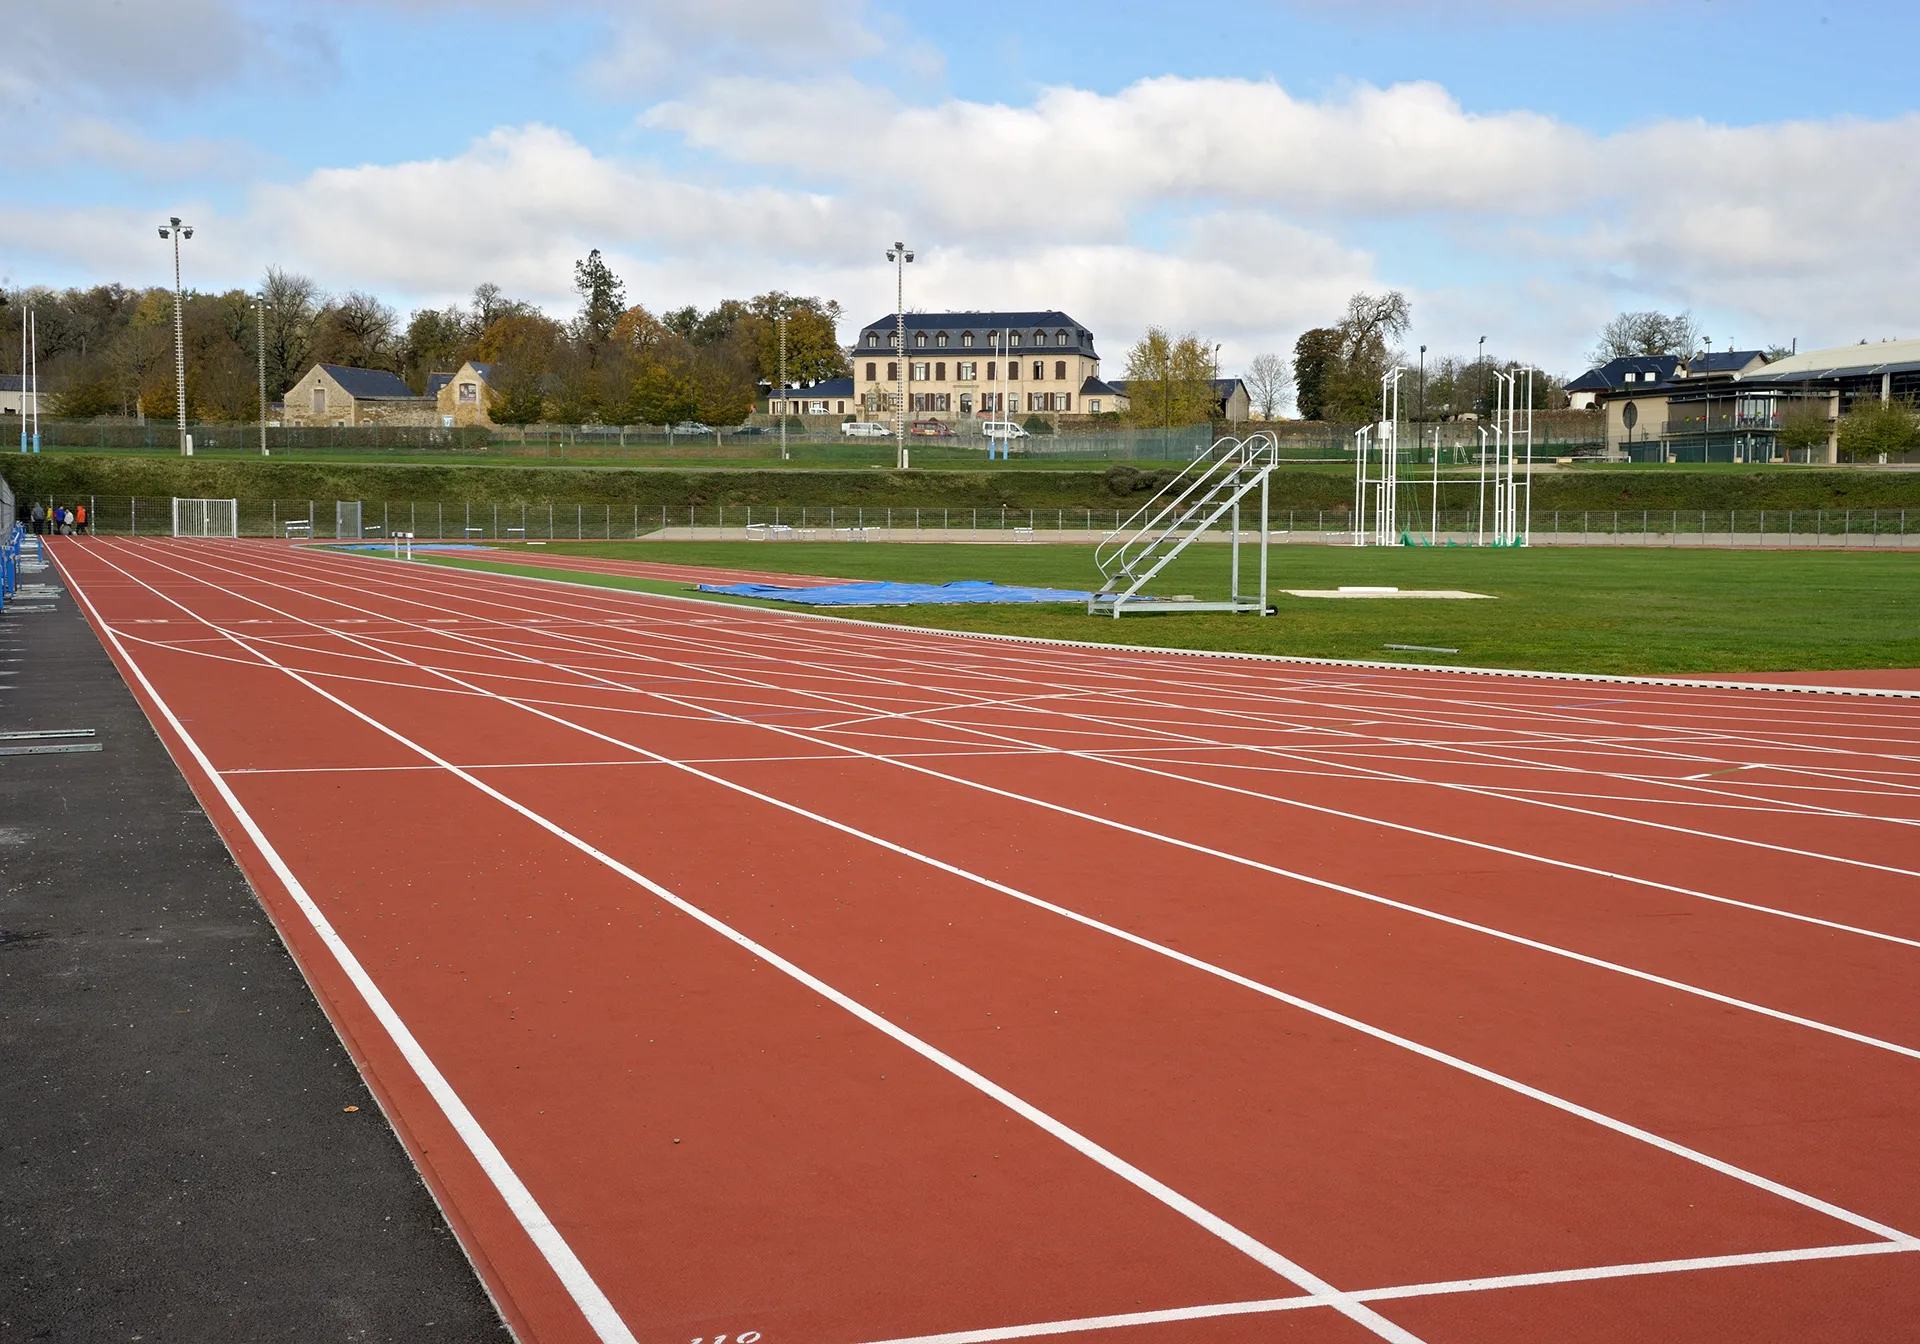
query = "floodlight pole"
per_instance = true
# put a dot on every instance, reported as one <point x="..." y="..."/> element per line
<point x="260" y="343"/>
<point x="900" y="256"/>
<point x="781" y="318"/>
<point x="175" y="230"/>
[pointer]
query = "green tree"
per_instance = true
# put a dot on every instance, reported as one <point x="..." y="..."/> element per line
<point x="1314" y="356"/>
<point x="1805" y="425"/>
<point x="437" y="341"/>
<point x="813" y="338"/>
<point x="1350" y="392"/>
<point x="1169" y="380"/>
<point x="602" y="298"/>
<point x="1875" y="427"/>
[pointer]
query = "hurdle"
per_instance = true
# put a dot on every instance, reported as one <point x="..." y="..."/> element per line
<point x="398" y="538"/>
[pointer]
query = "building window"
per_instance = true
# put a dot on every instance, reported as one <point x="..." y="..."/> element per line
<point x="1013" y="370"/>
<point x="993" y="370"/>
<point x="1093" y="406"/>
<point x="1060" y="370"/>
<point x="941" y="340"/>
<point x="966" y="403"/>
<point x="917" y="371"/>
<point x="893" y="370"/>
<point x="1039" y="338"/>
<point x="870" y="371"/>
<point x="942" y="401"/>
<point x="966" y="371"/>
<point x="919" y="401"/>
<point x="893" y="339"/>
<point x="1016" y="340"/>
<point x="469" y="393"/>
<point x="940" y="372"/>
<point x="873" y="338"/>
<point x="966" y="339"/>
<point x="1059" y="338"/>
<point x="319" y="401"/>
<point x="920" y="339"/>
<point x="1039" y="370"/>
<point x="843" y="409"/>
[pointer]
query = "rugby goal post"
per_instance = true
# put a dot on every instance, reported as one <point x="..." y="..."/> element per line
<point x="206" y="517"/>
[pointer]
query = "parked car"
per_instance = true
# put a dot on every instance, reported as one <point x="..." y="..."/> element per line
<point x="1003" y="429"/>
<point x="865" y="429"/>
<point x="930" y="429"/>
<point x="740" y="431"/>
<point x="692" y="427"/>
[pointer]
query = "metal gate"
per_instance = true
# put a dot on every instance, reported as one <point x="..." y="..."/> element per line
<point x="346" y="519"/>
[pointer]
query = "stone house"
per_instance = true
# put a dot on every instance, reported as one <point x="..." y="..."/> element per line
<point x="461" y="398"/>
<point x="333" y="394"/>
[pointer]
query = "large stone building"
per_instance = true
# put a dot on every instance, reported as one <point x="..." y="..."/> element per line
<point x="965" y="366"/>
<point x="333" y="394"/>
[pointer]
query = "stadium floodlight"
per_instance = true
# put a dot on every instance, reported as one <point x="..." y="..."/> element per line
<point x="900" y="256"/>
<point x="175" y="230"/>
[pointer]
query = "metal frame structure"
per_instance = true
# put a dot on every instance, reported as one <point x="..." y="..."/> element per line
<point x="198" y="517"/>
<point x="1382" y="490"/>
<point x="1208" y="490"/>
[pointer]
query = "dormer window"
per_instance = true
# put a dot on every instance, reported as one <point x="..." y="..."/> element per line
<point x="966" y="339"/>
<point x="1632" y="377"/>
<point x="1060" y="338"/>
<point x="941" y="340"/>
<point x="893" y="339"/>
<point x="1039" y="338"/>
<point x="1015" y="339"/>
<point x="873" y="338"/>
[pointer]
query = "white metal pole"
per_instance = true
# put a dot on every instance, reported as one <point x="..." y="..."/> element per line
<point x="23" y="380"/>
<point x="1480" y="520"/>
<point x="783" y="382"/>
<point x="35" y="324"/>
<point x="179" y="343"/>
<point x="1433" y="533"/>
<point x="1526" y="532"/>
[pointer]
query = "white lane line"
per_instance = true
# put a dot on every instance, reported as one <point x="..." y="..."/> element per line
<point x="1332" y="1015"/>
<point x="1205" y="1218"/>
<point x="1406" y="907"/>
<point x="1364" y="771"/>
<point x="1215" y="1310"/>
<point x="553" y="1247"/>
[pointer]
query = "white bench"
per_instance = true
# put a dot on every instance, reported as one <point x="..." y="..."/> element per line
<point x="299" y="527"/>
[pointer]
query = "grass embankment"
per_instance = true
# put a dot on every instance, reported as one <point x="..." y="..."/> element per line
<point x="1618" y="611"/>
<point x="76" y="476"/>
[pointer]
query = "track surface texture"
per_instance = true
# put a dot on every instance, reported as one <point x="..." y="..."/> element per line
<point x="739" y="975"/>
<point x="180" y="1160"/>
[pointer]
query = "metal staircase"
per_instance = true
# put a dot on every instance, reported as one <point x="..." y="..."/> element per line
<point x="1207" y="491"/>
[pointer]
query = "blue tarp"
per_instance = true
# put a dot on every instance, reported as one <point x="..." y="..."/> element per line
<point x="897" y="594"/>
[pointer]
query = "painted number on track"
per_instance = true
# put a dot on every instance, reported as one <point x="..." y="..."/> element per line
<point x="744" y="1337"/>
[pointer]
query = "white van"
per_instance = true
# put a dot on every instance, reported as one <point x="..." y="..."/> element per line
<point x="1003" y="429"/>
<point x="866" y="429"/>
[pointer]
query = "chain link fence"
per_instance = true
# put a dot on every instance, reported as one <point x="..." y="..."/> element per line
<point x="487" y="521"/>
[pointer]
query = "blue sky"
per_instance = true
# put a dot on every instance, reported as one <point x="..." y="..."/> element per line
<point x="1521" y="170"/>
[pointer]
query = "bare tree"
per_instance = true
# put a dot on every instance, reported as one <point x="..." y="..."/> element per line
<point x="1270" y="380"/>
<point x="357" y="330"/>
<point x="1646" y="333"/>
<point x="293" y="302"/>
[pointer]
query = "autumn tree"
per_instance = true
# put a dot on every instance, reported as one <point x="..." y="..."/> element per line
<point x="1169" y="380"/>
<point x="1805" y="425"/>
<point x="602" y="299"/>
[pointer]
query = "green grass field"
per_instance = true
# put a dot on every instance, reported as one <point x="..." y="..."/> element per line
<point x="1563" y="608"/>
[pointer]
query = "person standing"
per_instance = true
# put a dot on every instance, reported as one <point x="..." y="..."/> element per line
<point x="80" y="519"/>
<point x="39" y="519"/>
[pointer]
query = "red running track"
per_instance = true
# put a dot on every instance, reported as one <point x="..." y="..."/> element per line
<point x="743" y="974"/>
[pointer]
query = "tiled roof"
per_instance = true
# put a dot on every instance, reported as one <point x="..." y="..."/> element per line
<point x="832" y="387"/>
<point x="1026" y="324"/>
<point x="436" y="381"/>
<point x="1093" y="387"/>
<point x="368" y="384"/>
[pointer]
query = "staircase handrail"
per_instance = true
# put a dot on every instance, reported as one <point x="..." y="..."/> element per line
<point x="1169" y="505"/>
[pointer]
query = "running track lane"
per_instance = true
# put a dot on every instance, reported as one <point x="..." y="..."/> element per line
<point x="1175" y="1036"/>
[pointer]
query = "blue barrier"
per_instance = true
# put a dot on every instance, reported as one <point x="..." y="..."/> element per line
<point x="10" y="564"/>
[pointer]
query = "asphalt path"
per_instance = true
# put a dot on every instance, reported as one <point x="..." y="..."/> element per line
<point x="186" y="1149"/>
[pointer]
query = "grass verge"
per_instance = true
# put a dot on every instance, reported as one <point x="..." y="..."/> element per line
<point x="1623" y="611"/>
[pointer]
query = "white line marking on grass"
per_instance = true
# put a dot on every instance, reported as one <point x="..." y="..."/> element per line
<point x="573" y="1275"/>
